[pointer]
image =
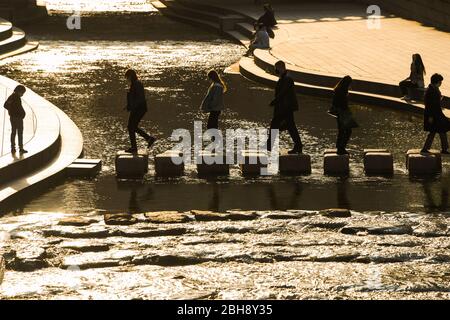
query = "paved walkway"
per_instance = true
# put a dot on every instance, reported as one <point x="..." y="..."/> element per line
<point x="335" y="40"/>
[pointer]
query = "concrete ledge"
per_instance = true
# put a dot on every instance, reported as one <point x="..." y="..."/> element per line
<point x="378" y="163"/>
<point x="334" y="164"/>
<point x="207" y="168"/>
<point x="435" y="152"/>
<point x="295" y="164"/>
<point x="130" y="165"/>
<point x="253" y="162"/>
<point x="169" y="163"/>
<point x="84" y="168"/>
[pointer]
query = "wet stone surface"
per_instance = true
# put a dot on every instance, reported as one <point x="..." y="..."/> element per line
<point x="229" y="255"/>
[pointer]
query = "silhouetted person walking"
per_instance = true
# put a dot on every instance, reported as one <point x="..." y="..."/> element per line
<point x="16" y="115"/>
<point x="341" y="110"/>
<point x="415" y="79"/>
<point x="213" y="101"/>
<point x="434" y="120"/>
<point x="137" y="107"/>
<point x="285" y="104"/>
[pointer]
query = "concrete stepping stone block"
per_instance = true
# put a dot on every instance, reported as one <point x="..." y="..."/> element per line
<point x="378" y="163"/>
<point x="424" y="164"/>
<point x="84" y="168"/>
<point x="131" y="165"/>
<point x="435" y="152"/>
<point x="169" y="163"/>
<point x="334" y="164"/>
<point x="336" y="213"/>
<point x="210" y="164"/>
<point x="366" y="151"/>
<point x="167" y="217"/>
<point x="295" y="164"/>
<point x="119" y="219"/>
<point x="253" y="162"/>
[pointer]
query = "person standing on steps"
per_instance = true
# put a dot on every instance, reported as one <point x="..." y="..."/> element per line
<point x="415" y="79"/>
<point x="434" y="120"/>
<point x="285" y="104"/>
<point x="137" y="107"/>
<point x="16" y="115"/>
<point x="341" y="111"/>
<point x="213" y="101"/>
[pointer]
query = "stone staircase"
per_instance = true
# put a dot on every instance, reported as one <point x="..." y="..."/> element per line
<point x="13" y="41"/>
<point x="260" y="68"/>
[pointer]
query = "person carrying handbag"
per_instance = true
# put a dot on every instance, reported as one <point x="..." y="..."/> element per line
<point x="341" y="111"/>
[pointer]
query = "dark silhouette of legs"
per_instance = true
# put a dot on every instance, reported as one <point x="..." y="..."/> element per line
<point x="343" y="138"/>
<point x="133" y="128"/>
<point x="430" y="139"/>
<point x="288" y="120"/>
<point x="213" y="120"/>
<point x="405" y="84"/>
<point x="16" y="129"/>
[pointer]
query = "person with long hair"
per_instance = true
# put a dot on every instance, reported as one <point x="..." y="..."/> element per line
<point x="213" y="101"/>
<point x="341" y="110"/>
<point x="416" y="77"/>
<point x="137" y="107"/>
<point x="434" y="120"/>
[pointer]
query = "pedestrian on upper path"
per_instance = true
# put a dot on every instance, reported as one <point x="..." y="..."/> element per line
<point x="434" y="120"/>
<point x="213" y="101"/>
<point x="415" y="79"/>
<point x="285" y="104"/>
<point x="341" y="110"/>
<point x="268" y="19"/>
<point x="137" y="107"/>
<point x="16" y="115"/>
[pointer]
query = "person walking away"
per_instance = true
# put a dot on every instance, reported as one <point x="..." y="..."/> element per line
<point x="137" y="108"/>
<point x="285" y="104"/>
<point x="16" y="115"/>
<point x="434" y="120"/>
<point x="268" y="20"/>
<point x="341" y="110"/>
<point x="213" y="101"/>
<point x="415" y="79"/>
<point x="260" y="41"/>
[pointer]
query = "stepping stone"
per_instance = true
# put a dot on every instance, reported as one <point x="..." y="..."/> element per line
<point x="210" y="164"/>
<point x="366" y="151"/>
<point x="119" y="219"/>
<point x="334" y="164"/>
<point x="295" y="164"/>
<point x="169" y="163"/>
<point x="129" y="165"/>
<point x="76" y="221"/>
<point x="378" y="163"/>
<point x="84" y="168"/>
<point x="167" y="217"/>
<point x="420" y="164"/>
<point x="336" y="213"/>
<point x="437" y="153"/>
<point x="327" y="151"/>
<point x="208" y="215"/>
<point x="253" y="162"/>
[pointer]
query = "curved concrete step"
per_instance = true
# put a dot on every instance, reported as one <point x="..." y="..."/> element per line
<point x="190" y="12"/>
<point x="250" y="70"/>
<point x="5" y="29"/>
<point x="196" y="22"/>
<point x="29" y="46"/>
<point x="56" y="144"/>
<point x="246" y="29"/>
<point x="239" y="37"/>
<point x="16" y="41"/>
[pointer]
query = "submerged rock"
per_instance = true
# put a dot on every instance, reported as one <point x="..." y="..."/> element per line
<point x="99" y="260"/>
<point x="76" y="221"/>
<point x="242" y="215"/>
<point x="391" y="230"/>
<point x="85" y="246"/>
<point x="120" y="219"/>
<point x="77" y="233"/>
<point x="144" y="233"/>
<point x="336" y="213"/>
<point x="200" y="215"/>
<point x="167" y="217"/>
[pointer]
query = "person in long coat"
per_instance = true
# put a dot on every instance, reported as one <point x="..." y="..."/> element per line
<point x="137" y="107"/>
<point x="213" y="103"/>
<point x="285" y="104"/>
<point x="434" y="120"/>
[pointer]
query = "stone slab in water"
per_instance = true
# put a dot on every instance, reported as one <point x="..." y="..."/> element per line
<point x="120" y="219"/>
<point x="76" y="221"/>
<point x="378" y="163"/>
<point x="435" y="152"/>
<point x="242" y="215"/>
<point x="129" y="165"/>
<point x="253" y="162"/>
<point x="334" y="164"/>
<point x="424" y="164"/>
<point x="365" y="151"/>
<point x="212" y="164"/>
<point x="169" y="163"/>
<point x="85" y="245"/>
<point x="208" y="215"/>
<point x="295" y="164"/>
<point x="167" y="217"/>
<point x="336" y="213"/>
